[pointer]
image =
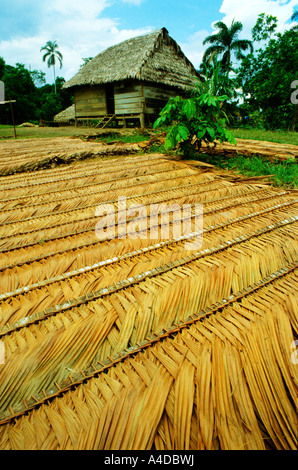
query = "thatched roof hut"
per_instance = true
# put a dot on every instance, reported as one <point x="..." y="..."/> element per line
<point x="66" y="116"/>
<point x="133" y="78"/>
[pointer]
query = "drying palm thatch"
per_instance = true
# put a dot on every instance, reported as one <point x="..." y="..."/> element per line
<point x="140" y="343"/>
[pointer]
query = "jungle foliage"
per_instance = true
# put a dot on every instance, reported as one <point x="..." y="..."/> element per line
<point x="35" y="99"/>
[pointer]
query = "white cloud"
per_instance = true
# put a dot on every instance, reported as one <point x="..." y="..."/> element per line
<point x="247" y="12"/>
<point x="79" y="28"/>
<point x="88" y="8"/>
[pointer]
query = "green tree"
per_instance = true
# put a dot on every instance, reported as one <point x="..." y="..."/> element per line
<point x="2" y="67"/>
<point x="19" y="86"/>
<point x="51" y="55"/>
<point x="226" y="42"/>
<point x="50" y="106"/>
<point x="215" y="79"/>
<point x="32" y="102"/>
<point x="50" y="102"/>
<point x="38" y="77"/>
<point x="266" y="79"/>
<point x="218" y="80"/>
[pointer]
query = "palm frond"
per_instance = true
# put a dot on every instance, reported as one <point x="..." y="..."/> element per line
<point x="139" y="343"/>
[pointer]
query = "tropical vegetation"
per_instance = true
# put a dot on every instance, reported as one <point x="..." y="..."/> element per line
<point x="35" y="99"/>
<point x="255" y="77"/>
<point x="195" y="120"/>
<point x="226" y="43"/>
<point x="51" y="56"/>
<point x="266" y="78"/>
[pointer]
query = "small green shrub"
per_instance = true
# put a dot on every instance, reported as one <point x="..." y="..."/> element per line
<point x="194" y="120"/>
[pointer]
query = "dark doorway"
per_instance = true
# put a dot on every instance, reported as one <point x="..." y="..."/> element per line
<point x="110" y="98"/>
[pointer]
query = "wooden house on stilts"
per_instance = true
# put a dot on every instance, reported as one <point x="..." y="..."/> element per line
<point x="132" y="81"/>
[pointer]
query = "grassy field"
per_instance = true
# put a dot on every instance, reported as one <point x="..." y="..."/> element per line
<point x="282" y="137"/>
<point x="284" y="174"/>
<point x="7" y="132"/>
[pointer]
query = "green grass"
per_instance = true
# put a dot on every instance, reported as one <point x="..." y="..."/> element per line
<point x="284" y="173"/>
<point x="7" y="132"/>
<point x="282" y="137"/>
<point x="128" y="137"/>
<point x="134" y="136"/>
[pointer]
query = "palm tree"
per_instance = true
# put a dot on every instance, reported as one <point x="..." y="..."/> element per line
<point x="294" y="16"/>
<point x="216" y="80"/>
<point x="51" y="54"/>
<point x="226" y="42"/>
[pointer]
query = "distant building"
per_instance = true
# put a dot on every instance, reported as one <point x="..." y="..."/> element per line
<point x="66" y="117"/>
<point x="132" y="80"/>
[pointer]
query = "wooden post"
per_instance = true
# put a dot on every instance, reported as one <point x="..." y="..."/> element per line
<point x="142" y="120"/>
<point x="142" y="116"/>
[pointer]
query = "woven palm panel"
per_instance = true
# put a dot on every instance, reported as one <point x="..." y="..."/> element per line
<point x="143" y="344"/>
<point x="198" y="388"/>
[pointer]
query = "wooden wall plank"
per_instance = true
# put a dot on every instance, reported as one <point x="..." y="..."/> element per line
<point x="90" y="101"/>
<point x="131" y="97"/>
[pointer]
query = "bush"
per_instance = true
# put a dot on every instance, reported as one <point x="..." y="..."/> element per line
<point x="194" y="120"/>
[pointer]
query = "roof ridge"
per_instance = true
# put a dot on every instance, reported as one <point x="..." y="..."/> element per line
<point x="162" y="31"/>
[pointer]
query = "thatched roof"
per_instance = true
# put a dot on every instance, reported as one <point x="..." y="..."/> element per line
<point x="155" y="57"/>
<point x="65" y="115"/>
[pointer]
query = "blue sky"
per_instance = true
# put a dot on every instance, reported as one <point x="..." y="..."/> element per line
<point x="83" y="28"/>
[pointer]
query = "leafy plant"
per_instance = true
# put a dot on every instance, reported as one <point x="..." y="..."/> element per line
<point x="194" y="120"/>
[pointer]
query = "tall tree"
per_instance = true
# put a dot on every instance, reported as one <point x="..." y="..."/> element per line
<point x="216" y="80"/>
<point x="226" y="42"/>
<point x="267" y="77"/>
<point x="51" y="55"/>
